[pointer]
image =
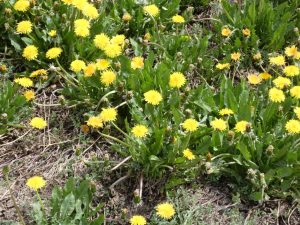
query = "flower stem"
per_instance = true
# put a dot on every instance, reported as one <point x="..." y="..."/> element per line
<point x="67" y="79"/>
<point x="118" y="106"/>
<point x="104" y="96"/>
<point x="119" y="129"/>
<point x="41" y="203"/>
<point x="14" y="201"/>
<point x="157" y="28"/>
<point x="67" y="74"/>
<point x="15" y="125"/>
<point x="115" y="139"/>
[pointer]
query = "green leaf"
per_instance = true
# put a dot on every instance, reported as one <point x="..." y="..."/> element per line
<point x="244" y="112"/>
<point x="78" y="210"/>
<point x="177" y="115"/>
<point x="137" y="49"/>
<point x="38" y="214"/>
<point x="269" y="113"/>
<point x="158" y="141"/>
<point x="16" y="45"/>
<point x="284" y="172"/>
<point x="27" y="40"/>
<point x="173" y="182"/>
<point x="154" y="158"/>
<point x="244" y="150"/>
<point x="217" y="139"/>
<point x="98" y="221"/>
<point x="256" y="196"/>
<point x="67" y="206"/>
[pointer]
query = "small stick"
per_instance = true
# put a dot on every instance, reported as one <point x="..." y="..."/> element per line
<point x="121" y="163"/>
<point x="277" y="215"/>
<point x="2" y="136"/>
<point x="119" y="180"/>
<point x="16" y="139"/>
<point x="85" y="150"/>
<point x="141" y="187"/>
<point x="44" y="105"/>
<point x="14" y="200"/>
<point x="289" y="217"/>
<point x="59" y="143"/>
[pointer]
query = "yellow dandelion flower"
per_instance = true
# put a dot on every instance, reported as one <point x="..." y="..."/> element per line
<point x="90" y="11"/>
<point x="36" y="182"/>
<point x="30" y="52"/>
<point x="101" y="41"/>
<point x="53" y="53"/>
<point x="291" y="51"/>
<point x="137" y="62"/>
<point x="139" y="131"/>
<point x="226" y="112"/>
<point x="108" y="114"/>
<point x="82" y="27"/>
<point x="254" y="79"/>
<point x="29" y="95"/>
<point x="52" y="33"/>
<point x="90" y="70"/>
<point x="147" y="36"/>
<point x="138" y="220"/>
<point x="276" y="95"/>
<point x="151" y="10"/>
<point x="102" y="64"/>
<point x="24" y="27"/>
<point x="68" y="2"/>
<point x="3" y="68"/>
<point x="126" y="17"/>
<point x="85" y="128"/>
<point x="291" y="70"/>
<point x="153" y="97"/>
<point x="178" y="19"/>
<point x="190" y="125"/>
<point x="297" y="112"/>
<point x="295" y="92"/>
<point x="118" y="39"/>
<point x="24" y="81"/>
<point x="177" y="80"/>
<point x="113" y="50"/>
<point x="293" y="126"/>
<point x="222" y="66"/>
<point x="246" y="32"/>
<point x="282" y="82"/>
<point x="187" y="153"/>
<point x="38" y="122"/>
<point x="226" y="32"/>
<point x="236" y="56"/>
<point x="77" y="65"/>
<point x="82" y="31"/>
<point x="242" y="126"/>
<point x="219" y="124"/>
<point x="95" y="122"/>
<point x="79" y="4"/>
<point x="108" y="77"/>
<point x="22" y="5"/>
<point x="165" y="210"/>
<point x="39" y="72"/>
<point x="265" y="76"/>
<point x="257" y="56"/>
<point x="278" y="60"/>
